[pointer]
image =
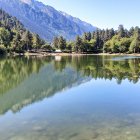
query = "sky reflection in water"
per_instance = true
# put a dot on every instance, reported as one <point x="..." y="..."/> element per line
<point x="75" y="98"/>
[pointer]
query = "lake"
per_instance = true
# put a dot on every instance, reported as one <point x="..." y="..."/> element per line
<point x="70" y="98"/>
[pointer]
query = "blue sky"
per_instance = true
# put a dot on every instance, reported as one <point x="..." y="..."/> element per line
<point x="101" y="13"/>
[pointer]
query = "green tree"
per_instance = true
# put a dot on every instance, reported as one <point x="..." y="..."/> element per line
<point x="131" y="31"/>
<point x="89" y="36"/>
<point x="92" y="45"/>
<point x="111" y="33"/>
<point x="84" y="37"/>
<point x="106" y="35"/>
<point x="26" y="40"/>
<point x="5" y="37"/>
<point x="78" y="44"/>
<point x="124" y="45"/>
<point x="16" y="43"/>
<point x="135" y="44"/>
<point x="55" y="43"/>
<point x="62" y="43"/>
<point x="47" y="47"/>
<point x="70" y="46"/>
<point x="121" y="31"/>
<point x="36" y="41"/>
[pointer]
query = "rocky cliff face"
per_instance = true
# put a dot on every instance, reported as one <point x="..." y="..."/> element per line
<point x="45" y="20"/>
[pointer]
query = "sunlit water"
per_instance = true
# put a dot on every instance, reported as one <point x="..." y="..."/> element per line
<point x="70" y="98"/>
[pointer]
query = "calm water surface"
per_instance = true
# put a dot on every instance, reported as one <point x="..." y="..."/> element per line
<point x="70" y="98"/>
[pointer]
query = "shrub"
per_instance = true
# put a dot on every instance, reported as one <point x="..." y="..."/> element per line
<point x="3" y="51"/>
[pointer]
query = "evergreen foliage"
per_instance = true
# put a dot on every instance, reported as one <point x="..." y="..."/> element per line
<point x="14" y="37"/>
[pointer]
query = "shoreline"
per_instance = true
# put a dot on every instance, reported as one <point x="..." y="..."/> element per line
<point x="44" y="54"/>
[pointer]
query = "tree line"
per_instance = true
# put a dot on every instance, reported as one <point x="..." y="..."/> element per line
<point x="103" y="41"/>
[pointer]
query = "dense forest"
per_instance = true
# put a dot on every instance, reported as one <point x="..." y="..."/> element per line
<point x="15" y="38"/>
<point x="103" y="41"/>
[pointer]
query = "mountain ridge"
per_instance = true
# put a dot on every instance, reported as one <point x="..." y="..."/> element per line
<point x="45" y="20"/>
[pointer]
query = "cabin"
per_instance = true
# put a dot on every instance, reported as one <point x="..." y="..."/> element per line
<point x="58" y="51"/>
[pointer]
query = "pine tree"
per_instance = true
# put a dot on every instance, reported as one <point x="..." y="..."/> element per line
<point x="111" y="33"/>
<point x="78" y="44"/>
<point x="131" y="31"/>
<point x="85" y="37"/>
<point x="62" y="43"/>
<point x="36" y="41"/>
<point x="5" y="37"/>
<point x="135" y="44"/>
<point x="121" y="31"/>
<point x="16" y="43"/>
<point x="55" y="43"/>
<point x="26" y="39"/>
<point x="106" y="36"/>
<point x="89" y="36"/>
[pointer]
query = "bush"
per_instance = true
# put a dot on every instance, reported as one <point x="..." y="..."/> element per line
<point x="19" y="50"/>
<point x="3" y="51"/>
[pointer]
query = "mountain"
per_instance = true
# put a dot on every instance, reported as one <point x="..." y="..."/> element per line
<point x="45" y="20"/>
<point x="82" y="24"/>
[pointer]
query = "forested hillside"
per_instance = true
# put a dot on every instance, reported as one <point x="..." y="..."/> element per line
<point x="14" y="37"/>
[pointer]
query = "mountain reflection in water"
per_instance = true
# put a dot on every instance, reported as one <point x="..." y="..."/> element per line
<point x="27" y="80"/>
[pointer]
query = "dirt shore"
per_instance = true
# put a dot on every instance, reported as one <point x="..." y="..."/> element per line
<point x="70" y="54"/>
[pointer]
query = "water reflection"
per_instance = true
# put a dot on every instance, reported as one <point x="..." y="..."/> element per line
<point x="99" y="98"/>
<point x="27" y="80"/>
